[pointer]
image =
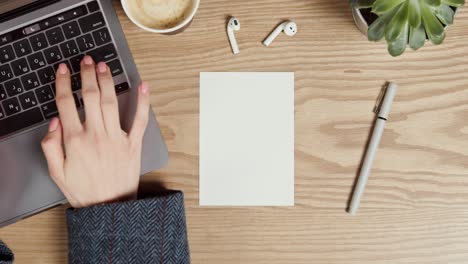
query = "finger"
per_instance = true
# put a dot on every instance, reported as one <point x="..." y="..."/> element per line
<point x="91" y="94"/>
<point x="141" y="116"/>
<point x="55" y="156"/>
<point x="53" y="150"/>
<point x="65" y="102"/>
<point x="109" y="103"/>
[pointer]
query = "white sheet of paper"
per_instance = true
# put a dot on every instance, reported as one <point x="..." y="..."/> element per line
<point x="246" y="139"/>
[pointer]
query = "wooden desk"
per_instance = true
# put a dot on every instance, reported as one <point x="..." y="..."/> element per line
<point x="415" y="209"/>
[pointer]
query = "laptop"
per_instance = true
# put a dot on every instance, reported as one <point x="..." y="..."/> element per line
<point x="35" y="37"/>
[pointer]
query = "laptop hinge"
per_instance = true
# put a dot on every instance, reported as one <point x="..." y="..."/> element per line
<point x="25" y="9"/>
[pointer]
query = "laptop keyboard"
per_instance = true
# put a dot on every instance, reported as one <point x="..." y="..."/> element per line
<point x="29" y="57"/>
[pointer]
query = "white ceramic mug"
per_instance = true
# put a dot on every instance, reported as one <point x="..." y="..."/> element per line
<point x="179" y="27"/>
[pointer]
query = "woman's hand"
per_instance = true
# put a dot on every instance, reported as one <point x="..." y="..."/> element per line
<point x="94" y="162"/>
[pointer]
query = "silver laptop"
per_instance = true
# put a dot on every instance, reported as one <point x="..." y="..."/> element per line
<point x="35" y="36"/>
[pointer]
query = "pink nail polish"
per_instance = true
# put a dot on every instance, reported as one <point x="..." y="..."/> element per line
<point x="102" y="67"/>
<point x="144" y="88"/>
<point x="63" y="69"/>
<point x="87" y="60"/>
<point x="53" y="124"/>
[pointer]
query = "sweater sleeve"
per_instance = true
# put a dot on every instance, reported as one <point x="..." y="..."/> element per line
<point x="142" y="231"/>
<point x="6" y="256"/>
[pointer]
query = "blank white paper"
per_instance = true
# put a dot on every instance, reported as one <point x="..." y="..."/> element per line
<point x="246" y="139"/>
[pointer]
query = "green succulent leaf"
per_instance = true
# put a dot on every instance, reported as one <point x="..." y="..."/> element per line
<point x="404" y="22"/>
<point x="437" y="40"/>
<point x="445" y="14"/>
<point x="456" y="3"/>
<point x="383" y="6"/>
<point x="417" y="37"/>
<point x="433" y="2"/>
<point x="397" y="47"/>
<point x="433" y="26"/>
<point x="377" y="29"/>
<point x="362" y="3"/>
<point x="397" y="24"/>
<point x="414" y="10"/>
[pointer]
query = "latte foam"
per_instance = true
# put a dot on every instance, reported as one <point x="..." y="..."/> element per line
<point x="159" y="14"/>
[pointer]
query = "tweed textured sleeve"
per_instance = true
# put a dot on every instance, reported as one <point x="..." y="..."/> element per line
<point x="142" y="231"/>
<point x="6" y="256"/>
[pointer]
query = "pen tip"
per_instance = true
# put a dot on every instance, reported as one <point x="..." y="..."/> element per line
<point x="392" y="85"/>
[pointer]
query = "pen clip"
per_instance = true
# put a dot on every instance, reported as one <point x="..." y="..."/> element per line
<point x="378" y="104"/>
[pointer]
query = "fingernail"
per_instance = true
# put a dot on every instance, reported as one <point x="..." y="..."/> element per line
<point x="63" y="68"/>
<point x="144" y="88"/>
<point x="87" y="60"/>
<point x="102" y="67"/>
<point x="53" y="124"/>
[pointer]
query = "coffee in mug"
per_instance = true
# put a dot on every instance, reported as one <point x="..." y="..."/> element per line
<point x="159" y="14"/>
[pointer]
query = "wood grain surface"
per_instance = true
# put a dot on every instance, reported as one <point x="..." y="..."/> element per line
<point x="415" y="208"/>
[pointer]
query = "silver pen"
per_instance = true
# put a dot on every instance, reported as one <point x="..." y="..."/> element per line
<point x="371" y="151"/>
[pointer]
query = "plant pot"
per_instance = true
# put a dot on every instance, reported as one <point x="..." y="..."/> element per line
<point x="360" y="21"/>
<point x="364" y="19"/>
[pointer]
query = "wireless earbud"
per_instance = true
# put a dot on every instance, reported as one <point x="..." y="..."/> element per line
<point x="233" y="25"/>
<point x="289" y="28"/>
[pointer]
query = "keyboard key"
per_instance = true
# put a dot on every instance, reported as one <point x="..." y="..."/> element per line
<point x="28" y="100"/>
<point x="4" y="39"/>
<point x="20" y="67"/>
<point x="93" y="6"/>
<point x="46" y="75"/>
<point x="6" y="54"/>
<point x="85" y="42"/>
<point x="2" y="114"/>
<point x="5" y="72"/>
<point x="30" y="81"/>
<point x="69" y="48"/>
<point x="77" y="101"/>
<point x="38" y="41"/>
<point x="101" y="36"/>
<point x="20" y="121"/>
<point x="3" y="94"/>
<point x="53" y="55"/>
<point x="115" y="67"/>
<point x="11" y="106"/>
<point x="121" y="87"/>
<point x="76" y="82"/>
<point x="91" y="22"/>
<point x="44" y="94"/>
<point x="36" y="61"/>
<point x="31" y="29"/>
<point x="104" y="53"/>
<point x="55" y="36"/>
<point x="14" y="87"/>
<point x="71" y="30"/>
<point x="76" y="62"/>
<point x="22" y="47"/>
<point x="49" y="110"/>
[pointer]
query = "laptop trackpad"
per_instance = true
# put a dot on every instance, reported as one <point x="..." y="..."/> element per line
<point x="24" y="179"/>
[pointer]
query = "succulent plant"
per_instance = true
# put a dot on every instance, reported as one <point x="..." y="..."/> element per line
<point x="404" y="22"/>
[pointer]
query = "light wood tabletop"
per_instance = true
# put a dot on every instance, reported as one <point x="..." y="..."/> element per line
<point x="415" y="207"/>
